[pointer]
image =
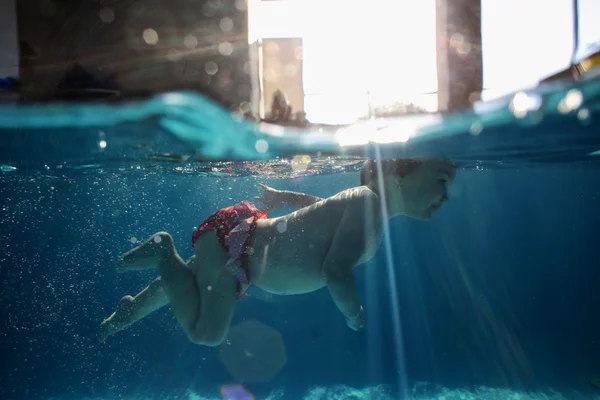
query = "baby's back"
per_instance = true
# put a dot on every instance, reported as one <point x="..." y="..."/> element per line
<point x="288" y="252"/>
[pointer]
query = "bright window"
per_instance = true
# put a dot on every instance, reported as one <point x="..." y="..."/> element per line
<point x="365" y="52"/>
<point x="356" y="53"/>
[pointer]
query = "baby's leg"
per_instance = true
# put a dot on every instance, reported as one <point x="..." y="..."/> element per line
<point x="132" y="309"/>
<point x="145" y="256"/>
<point x="203" y="301"/>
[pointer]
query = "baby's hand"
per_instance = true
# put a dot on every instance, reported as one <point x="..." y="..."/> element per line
<point x="357" y="322"/>
<point x="271" y="198"/>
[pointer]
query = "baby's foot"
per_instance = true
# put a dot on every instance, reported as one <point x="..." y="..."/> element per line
<point x="128" y="265"/>
<point x="118" y="320"/>
<point x="144" y="256"/>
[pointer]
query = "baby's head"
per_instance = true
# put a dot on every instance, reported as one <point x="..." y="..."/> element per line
<point x="415" y="187"/>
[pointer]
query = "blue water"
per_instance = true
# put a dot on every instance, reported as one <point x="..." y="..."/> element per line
<point x="498" y="294"/>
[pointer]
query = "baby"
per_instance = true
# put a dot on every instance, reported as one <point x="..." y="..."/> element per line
<point x="314" y="247"/>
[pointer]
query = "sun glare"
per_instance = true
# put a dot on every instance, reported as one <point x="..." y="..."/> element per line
<point x="357" y="55"/>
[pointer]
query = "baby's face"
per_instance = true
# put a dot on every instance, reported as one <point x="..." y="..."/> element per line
<point x="425" y="190"/>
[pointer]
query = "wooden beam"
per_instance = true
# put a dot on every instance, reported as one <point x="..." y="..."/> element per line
<point x="459" y="56"/>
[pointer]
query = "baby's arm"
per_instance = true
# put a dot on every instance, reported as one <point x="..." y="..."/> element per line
<point x="347" y="248"/>
<point x="273" y="198"/>
<point x="297" y="199"/>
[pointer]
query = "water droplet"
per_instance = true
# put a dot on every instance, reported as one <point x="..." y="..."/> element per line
<point x="270" y="75"/>
<point x="300" y="163"/>
<point x="150" y="36"/>
<point x="290" y="70"/>
<point x="106" y="15"/>
<point x="571" y="102"/>
<point x="247" y="67"/>
<point x="225" y="48"/>
<point x="7" y="168"/>
<point x="476" y="128"/>
<point x="282" y="227"/>
<point x="261" y="146"/>
<point x="463" y="49"/>
<point x="209" y="9"/>
<point x="211" y="68"/>
<point x="226" y="24"/>
<point x="190" y="41"/>
<point x="474" y="97"/>
<point x="272" y="48"/>
<point x="174" y="55"/>
<point x="240" y="5"/>
<point x="457" y="40"/>
<point x="583" y="115"/>
<point x="522" y="103"/>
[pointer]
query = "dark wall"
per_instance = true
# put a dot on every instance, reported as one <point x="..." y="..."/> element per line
<point x="70" y="44"/>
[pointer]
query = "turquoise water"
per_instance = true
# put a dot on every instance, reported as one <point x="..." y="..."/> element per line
<point x="495" y="133"/>
<point x="494" y="298"/>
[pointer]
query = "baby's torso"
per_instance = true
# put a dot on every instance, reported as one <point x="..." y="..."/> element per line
<point x="286" y="253"/>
